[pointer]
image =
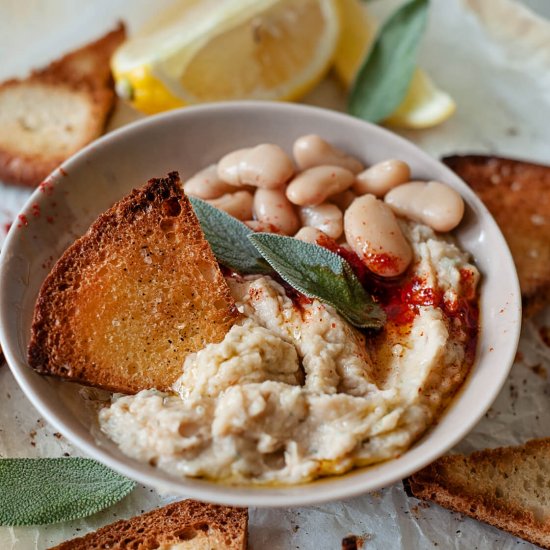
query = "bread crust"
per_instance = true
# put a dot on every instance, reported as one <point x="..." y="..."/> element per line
<point x="85" y="73"/>
<point x="461" y="484"/>
<point x="517" y="193"/>
<point x="128" y="301"/>
<point x="224" y="527"/>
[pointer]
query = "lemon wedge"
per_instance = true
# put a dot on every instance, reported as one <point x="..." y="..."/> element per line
<point x="210" y="50"/>
<point x="424" y="106"/>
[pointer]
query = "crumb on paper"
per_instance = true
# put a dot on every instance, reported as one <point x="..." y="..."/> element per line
<point x="354" y="542"/>
<point x="416" y="509"/>
<point x="539" y="370"/>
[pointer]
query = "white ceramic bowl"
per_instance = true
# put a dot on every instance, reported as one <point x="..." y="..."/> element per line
<point x="187" y="140"/>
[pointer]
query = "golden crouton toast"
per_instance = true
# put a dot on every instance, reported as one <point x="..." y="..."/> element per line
<point x="506" y="487"/>
<point x="128" y="301"/>
<point x="517" y="193"/>
<point x="50" y="115"/>
<point x="187" y="524"/>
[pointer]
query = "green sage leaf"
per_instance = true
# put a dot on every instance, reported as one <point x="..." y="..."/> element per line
<point x="228" y="238"/>
<point x="383" y="80"/>
<point x="38" y="491"/>
<point x="320" y="273"/>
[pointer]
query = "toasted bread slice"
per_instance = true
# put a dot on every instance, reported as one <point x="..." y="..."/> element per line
<point x="53" y="113"/>
<point x="517" y="193"/>
<point x="184" y="525"/>
<point x="89" y="64"/>
<point x="127" y="302"/>
<point x="507" y="487"/>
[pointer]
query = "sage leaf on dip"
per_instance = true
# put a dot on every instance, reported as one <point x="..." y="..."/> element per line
<point x="228" y="238"/>
<point x="384" y="77"/>
<point x="320" y="273"/>
<point x="38" y="491"/>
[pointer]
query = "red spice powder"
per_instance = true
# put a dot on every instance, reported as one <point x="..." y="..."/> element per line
<point x="401" y="300"/>
<point x="382" y="263"/>
<point x="467" y="283"/>
<point x="401" y="297"/>
<point x="298" y="299"/>
<point x="46" y="187"/>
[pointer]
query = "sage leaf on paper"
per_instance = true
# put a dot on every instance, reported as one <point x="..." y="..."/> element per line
<point x="320" y="273"/>
<point x="228" y="238"/>
<point x="383" y="79"/>
<point x="39" y="491"/>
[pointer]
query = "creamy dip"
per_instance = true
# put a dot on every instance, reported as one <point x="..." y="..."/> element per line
<point x="295" y="392"/>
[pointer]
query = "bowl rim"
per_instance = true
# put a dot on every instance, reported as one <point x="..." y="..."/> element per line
<point x="328" y="488"/>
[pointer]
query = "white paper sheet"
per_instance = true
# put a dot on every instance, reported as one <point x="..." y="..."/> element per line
<point x="503" y="107"/>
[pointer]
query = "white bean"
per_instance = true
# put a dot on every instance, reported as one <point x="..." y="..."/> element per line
<point x="326" y="217"/>
<point x="312" y="150"/>
<point x="343" y="200"/>
<point x="432" y="203"/>
<point x="238" y="205"/>
<point x="206" y="184"/>
<point x="272" y="207"/>
<point x="374" y="234"/>
<point x="314" y="185"/>
<point x="309" y="234"/>
<point x="266" y="166"/>
<point x="381" y="177"/>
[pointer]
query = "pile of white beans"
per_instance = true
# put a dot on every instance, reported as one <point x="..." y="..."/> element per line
<point x="325" y="191"/>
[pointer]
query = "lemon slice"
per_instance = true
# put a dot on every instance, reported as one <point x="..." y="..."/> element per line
<point x="210" y="50"/>
<point x="424" y="106"/>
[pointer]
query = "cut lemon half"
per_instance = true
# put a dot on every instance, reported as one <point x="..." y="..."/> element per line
<point x="357" y="32"/>
<point x="424" y="106"/>
<point x="211" y="50"/>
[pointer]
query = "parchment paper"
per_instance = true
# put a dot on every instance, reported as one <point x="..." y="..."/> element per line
<point x="490" y="60"/>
